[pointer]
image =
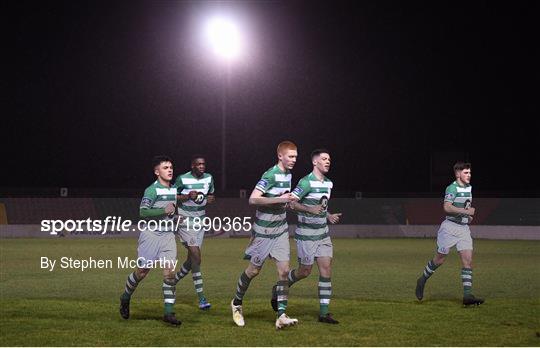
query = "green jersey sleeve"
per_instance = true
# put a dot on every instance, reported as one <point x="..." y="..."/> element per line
<point x="450" y="194"/>
<point x="178" y="184"/>
<point x="302" y="189"/>
<point x="211" y="187"/>
<point x="266" y="182"/>
<point x="149" y="198"/>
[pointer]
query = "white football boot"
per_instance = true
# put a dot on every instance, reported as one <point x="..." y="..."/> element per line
<point x="284" y="321"/>
<point x="237" y="315"/>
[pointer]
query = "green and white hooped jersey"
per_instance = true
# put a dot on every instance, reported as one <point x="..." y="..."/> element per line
<point x="158" y="196"/>
<point x="460" y="197"/>
<point x="312" y="191"/>
<point x="271" y="222"/>
<point x="188" y="182"/>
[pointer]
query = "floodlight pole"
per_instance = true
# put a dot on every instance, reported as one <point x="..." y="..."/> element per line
<point x="226" y="80"/>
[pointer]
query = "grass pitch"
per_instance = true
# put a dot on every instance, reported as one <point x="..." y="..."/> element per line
<point x="373" y="297"/>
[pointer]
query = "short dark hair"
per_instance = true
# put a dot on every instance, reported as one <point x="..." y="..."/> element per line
<point x="317" y="152"/>
<point x="156" y="161"/>
<point x="460" y="165"/>
<point x="196" y="157"/>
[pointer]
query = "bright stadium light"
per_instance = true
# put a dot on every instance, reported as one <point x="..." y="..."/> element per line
<point x="225" y="37"/>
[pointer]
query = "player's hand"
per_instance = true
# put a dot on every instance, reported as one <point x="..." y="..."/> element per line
<point x="470" y="211"/>
<point x="334" y="218"/>
<point x="192" y="195"/>
<point x="470" y="219"/>
<point x="294" y="198"/>
<point x="210" y="199"/>
<point x="288" y="196"/>
<point x="316" y="209"/>
<point x="170" y="208"/>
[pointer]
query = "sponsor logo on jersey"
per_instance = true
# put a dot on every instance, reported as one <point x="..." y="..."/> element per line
<point x="263" y="183"/>
<point x="200" y="198"/>
<point x="298" y="191"/>
<point x="146" y="202"/>
<point x="324" y="202"/>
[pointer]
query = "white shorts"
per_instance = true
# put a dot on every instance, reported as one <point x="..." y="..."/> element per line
<point x="260" y="248"/>
<point x="191" y="237"/>
<point x="309" y="250"/>
<point x="155" y="245"/>
<point x="450" y="234"/>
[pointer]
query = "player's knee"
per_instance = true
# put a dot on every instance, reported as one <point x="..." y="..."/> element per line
<point x="326" y="272"/>
<point x="283" y="273"/>
<point x="302" y="272"/>
<point x="439" y="259"/>
<point x="252" y="272"/>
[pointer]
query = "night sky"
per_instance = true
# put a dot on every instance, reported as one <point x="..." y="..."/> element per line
<point x="101" y="88"/>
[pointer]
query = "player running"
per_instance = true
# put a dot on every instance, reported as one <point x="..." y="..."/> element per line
<point x="270" y="237"/>
<point x="196" y="189"/>
<point x="159" y="202"/>
<point x="312" y="239"/>
<point x="454" y="231"/>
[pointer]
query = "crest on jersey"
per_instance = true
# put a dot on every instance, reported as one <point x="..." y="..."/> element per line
<point x="200" y="198"/>
<point x="324" y="202"/>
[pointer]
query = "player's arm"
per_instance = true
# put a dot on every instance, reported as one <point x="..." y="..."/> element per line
<point x="300" y="191"/>
<point x="210" y="197"/>
<point x="146" y="210"/>
<point x="452" y="210"/>
<point x="333" y="218"/>
<point x="179" y="187"/>
<point x="257" y="198"/>
<point x="449" y="208"/>
<point x="312" y="209"/>
<point x="191" y="195"/>
<point x="263" y="186"/>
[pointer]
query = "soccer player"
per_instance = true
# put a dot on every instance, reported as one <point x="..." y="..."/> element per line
<point x="270" y="237"/>
<point x="454" y="231"/>
<point x="159" y="202"/>
<point x="196" y="189"/>
<point x="313" y="242"/>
